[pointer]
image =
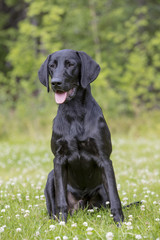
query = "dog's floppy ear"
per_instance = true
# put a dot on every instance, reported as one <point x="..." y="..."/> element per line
<point x="89" y="69"/>
<point x="43" y="73"/>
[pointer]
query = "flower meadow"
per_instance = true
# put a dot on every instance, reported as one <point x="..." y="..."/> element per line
<point x="23" y="172"/>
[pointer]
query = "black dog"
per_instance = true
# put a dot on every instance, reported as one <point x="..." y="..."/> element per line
<point x="83" y="174"/>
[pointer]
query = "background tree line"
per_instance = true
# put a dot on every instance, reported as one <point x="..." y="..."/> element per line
<point x="122" y="36"/>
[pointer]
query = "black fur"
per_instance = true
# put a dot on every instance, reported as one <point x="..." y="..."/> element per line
<point x="83" y="174"/>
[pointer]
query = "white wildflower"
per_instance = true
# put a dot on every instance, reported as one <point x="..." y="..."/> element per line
<point x="42" y="197"/>
<point x="37" y="234"/>
<point x="109" y="236"/>
<point x="90" y="210"/>
<point x="74" y="225"/>
<point x="62" y="223"/>
<point x="58" y="238"/>
<point x="26" y="215"/>
<point x="13" y="197"/>
<point x="85" y="224"/>
<point x="125" y="199"/>
<point x="129" y="225"/>
<point x="52" y="227"/>
<point x="27" y="198"/>
<point x="130" y="217"/>
<point x="89" y="233"/>
<point x="7" y="206"/>
<point x="75" y="238"/>
<point x="89" y="229"/>
<point x="18" y="230"/>
<point x="138" y="236"/>
<point x="65" y="237"/>
<point x="142" y="207"/>
<point x="1" y="229"/>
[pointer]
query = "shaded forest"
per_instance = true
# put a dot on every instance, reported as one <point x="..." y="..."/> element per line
<point x="122" y="36"/>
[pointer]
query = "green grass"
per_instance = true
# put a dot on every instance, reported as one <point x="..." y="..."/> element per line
<point x="23" y="171"/>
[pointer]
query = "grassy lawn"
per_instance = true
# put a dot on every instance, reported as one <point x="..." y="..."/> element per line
<point x="23" y="171"/>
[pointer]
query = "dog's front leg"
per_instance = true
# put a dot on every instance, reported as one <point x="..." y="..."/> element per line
<point x="109" y="182"/>
<point x="60" y="181"/>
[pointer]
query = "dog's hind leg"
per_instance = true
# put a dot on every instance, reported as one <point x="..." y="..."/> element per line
<point x="99" y="198"/>
<point x="73" y="203"/>
<point x="49" y="193"/>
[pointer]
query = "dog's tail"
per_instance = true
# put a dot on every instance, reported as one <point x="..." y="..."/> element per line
<point x="133" y="204"/>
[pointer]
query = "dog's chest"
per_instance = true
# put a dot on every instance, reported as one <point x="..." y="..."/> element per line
<point x="77" y="139"/>
<point x="83" y="157"/>
<point x="76" y="143"/>
<point x="82" y="147"/>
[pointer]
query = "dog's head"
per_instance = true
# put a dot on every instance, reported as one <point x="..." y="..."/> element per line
<point x="68" y="70"/>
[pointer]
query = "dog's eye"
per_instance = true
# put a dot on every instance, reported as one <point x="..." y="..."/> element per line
<point x="53" y="65"/>
<point x="68" y="64"/>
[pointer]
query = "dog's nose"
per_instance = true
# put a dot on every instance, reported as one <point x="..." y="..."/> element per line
<point x="56" y="82"/>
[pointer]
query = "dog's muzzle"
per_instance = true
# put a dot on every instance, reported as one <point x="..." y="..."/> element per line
<point x="61" y="94"/>
<point x="61" y="97"/>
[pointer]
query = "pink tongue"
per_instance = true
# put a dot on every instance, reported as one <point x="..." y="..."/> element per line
<point x="60" y="97"/>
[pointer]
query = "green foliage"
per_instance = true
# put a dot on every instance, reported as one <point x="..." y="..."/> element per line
<point x="123" y="37"/>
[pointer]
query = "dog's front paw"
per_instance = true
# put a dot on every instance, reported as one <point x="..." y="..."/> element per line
<point x="117" y="216"/>
<point x="62" y="213"/>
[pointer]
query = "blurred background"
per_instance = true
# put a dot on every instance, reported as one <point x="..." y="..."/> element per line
<point x="122" y="36"/>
